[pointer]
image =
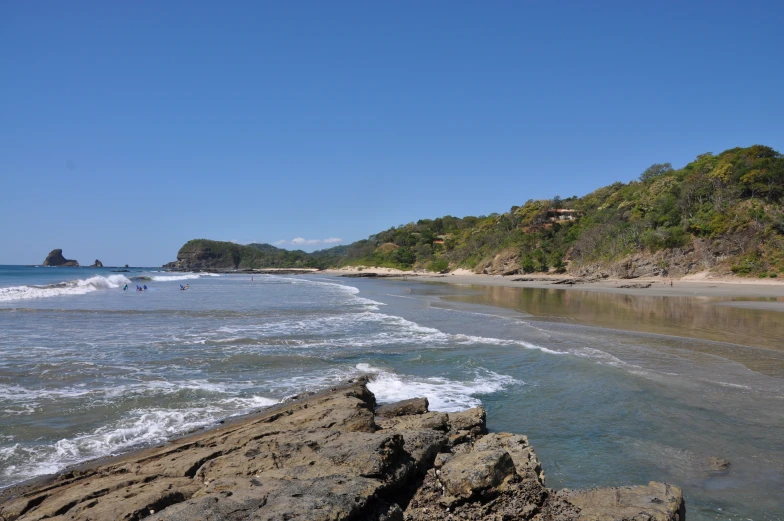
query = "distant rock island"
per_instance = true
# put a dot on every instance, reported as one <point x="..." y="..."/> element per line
<point x="97" y="264"/>
<point x="55" y="258"/>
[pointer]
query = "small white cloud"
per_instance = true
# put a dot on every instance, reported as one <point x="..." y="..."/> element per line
<point x="301" y="241"/>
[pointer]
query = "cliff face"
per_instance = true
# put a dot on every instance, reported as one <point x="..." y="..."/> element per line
<point x="203" y="254"/>
<point x="333" y="456"/>
<point x="55" y="258"/>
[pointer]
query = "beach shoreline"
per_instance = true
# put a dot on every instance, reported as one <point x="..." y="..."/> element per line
<point x="697" y="285"/>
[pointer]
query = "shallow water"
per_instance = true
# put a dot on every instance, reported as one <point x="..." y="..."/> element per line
<point x="88" y="374"/>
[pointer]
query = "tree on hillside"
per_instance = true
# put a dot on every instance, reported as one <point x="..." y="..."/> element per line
<point x="654" y="171"/>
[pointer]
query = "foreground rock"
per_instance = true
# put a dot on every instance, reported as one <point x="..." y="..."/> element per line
<point x="325" y="457"/>
<point x="55" y="258"/>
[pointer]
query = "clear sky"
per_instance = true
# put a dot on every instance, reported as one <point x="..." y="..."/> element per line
<point x="127" y="128"/>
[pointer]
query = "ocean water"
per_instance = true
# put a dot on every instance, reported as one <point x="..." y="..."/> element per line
<point x="87" y="370"/>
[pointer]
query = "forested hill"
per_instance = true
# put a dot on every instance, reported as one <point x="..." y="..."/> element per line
<point x="720" y="212"/>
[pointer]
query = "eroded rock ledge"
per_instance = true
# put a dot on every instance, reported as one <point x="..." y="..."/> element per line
<point x="333" y="456"/>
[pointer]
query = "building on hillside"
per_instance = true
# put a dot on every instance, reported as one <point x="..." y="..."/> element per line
<point x="561" y="215"/>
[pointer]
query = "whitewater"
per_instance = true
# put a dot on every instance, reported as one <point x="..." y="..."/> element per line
<point x="88" y="369"/>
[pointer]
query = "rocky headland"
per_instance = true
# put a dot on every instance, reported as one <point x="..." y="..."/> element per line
<point x="333" y="456"/>
<point x="55" y="258"/>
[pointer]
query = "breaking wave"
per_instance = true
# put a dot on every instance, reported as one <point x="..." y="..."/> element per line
<point x="73" y="287"/>
<point x="442" y="393"/>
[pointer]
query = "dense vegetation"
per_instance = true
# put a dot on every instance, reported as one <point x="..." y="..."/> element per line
<point x="205" y="253"/>
<point x="731" y="203"/>
<point x="732" y="200"/>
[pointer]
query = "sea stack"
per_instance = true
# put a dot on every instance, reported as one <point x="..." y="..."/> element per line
<point x="55" y="258"/>
<point x="97" y="264"/>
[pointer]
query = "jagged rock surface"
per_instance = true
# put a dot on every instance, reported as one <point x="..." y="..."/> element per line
<point x="404" y="408"/>
<point x="505" y="262"/>
<point x="97" y="264"/>
<point x="55" y="258"/>
<point x="654" y="502"/>
<point x="327" y="457"/>
<point x="699" y="255"/>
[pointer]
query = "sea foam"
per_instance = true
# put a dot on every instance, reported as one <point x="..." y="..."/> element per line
<point x="443" y="394"/>
<point x="73" y="287"/>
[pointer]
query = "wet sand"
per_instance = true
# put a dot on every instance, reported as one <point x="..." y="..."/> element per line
<point x="765" y="293"/>
<point x="744" y="322"/>
<point x="738" y="289"/>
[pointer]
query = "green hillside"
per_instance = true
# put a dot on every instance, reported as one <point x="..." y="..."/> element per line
<point x="721" y="212"/>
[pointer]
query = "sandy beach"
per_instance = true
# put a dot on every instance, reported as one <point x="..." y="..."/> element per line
<point x="698" y="285"/>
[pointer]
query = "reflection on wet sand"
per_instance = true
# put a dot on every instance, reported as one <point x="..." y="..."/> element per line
<point x="696" y="317"/>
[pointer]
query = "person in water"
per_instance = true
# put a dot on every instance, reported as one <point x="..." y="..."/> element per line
<point x="125" y="288"/>
<point x="182" y="288"/>
<point x="145" y="287"/>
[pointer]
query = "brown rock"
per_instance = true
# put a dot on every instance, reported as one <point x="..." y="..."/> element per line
<point x="474" y="421"/>
<point x="437" y="421"/>
<point x="517" y="446"/>
<point x="505" y="262"/>
<point x="322" y="457"/>
<point x="403" y="408"/>
<point x="466" y="475"/>
<point x="654" y="502"/>
<point x="316" y="458"/>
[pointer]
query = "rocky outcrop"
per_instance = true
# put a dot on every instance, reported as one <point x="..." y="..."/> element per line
<point x="199" y="255"/>
<point x="661" y="502"/>
<point x="55" y="258"/>
<point x="97" y="264"/>
<point x="404" y="408"/>
<point x="506" y="262"/>
<point x="327" y="456"/>
<point x="700" y="255"/>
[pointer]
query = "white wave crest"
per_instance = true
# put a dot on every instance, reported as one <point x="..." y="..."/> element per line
<point x="601" y="357"/>
<point x="165" y="278"/>
<point x="442" y="394"/>
<point x="140" y="427"/>
<point x="73" y="287"/>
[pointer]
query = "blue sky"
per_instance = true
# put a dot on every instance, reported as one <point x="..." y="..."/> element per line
<point x="127" y="128"/>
